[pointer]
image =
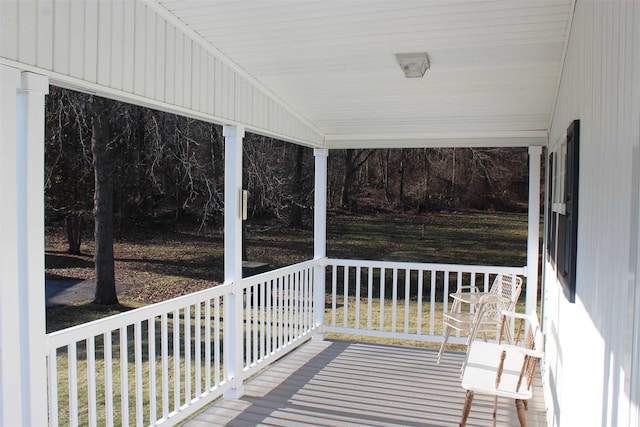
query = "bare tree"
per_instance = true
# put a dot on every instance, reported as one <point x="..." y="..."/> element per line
<point x="68" y="166"/>
<point x="297" y="186"/>
<point x="103" y="201"/>
<point x="353" y="161"/>
<point x="402" y="173"/>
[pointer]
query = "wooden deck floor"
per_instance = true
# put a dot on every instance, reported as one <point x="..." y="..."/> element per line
<point x="344" y="383"/>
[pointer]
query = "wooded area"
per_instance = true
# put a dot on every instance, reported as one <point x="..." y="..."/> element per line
<point x="171" y="169"/>
<point x="111" y="167"/>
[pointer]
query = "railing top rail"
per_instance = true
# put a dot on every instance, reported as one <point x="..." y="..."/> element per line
<point x="426" y="266"/>
<point x="80" y="332"/>
<point x="273" y="274"/>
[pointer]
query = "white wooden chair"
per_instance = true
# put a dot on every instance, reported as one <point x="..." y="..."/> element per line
<point x="503" y="295"/>
<point x="504" y="370"/>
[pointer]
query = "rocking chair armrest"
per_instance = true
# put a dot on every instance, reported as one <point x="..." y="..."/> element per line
<point x="509" y="348"/>
<point x="516" y="315"/>
<point x="465" y="291"/>
<point x="471" y="288"/>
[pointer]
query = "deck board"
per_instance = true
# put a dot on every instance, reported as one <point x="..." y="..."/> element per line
<point x="346" y="383"/>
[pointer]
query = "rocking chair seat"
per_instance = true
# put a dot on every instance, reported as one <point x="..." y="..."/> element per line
<point x="482" y="365"/>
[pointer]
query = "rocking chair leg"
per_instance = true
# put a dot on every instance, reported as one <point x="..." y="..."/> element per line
<point x="455" y="307"/>
<point x="467" y="408"/>
<point x="520" y="408"/>
<point x="447" y="332"/>
<point x="495" y="410"/>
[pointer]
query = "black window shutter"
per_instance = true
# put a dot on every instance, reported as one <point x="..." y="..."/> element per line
<point x="568" y="243"/>
<point x="551" y="226"/>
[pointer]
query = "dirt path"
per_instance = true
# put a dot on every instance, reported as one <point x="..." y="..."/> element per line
<point x="71" y="291"/>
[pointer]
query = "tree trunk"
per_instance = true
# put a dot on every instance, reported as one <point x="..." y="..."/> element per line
<point x="103" y="204"/>
<point x="423" y="204"/>
<point x="295" y="219"/>
<point x="401" y="195"/>
<point x="454" y="195"/>
<point x="74" y="224"/>
<point x="348" y="178"/>
<point x="387" y="192"/>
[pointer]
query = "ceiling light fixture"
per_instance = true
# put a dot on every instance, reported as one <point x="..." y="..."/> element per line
<point x="413" y="65"/>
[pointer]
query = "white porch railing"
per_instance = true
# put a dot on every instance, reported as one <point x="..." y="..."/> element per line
<point x="164" y="362"/>
<point x="278" y="313"/>
<point x="397" y="299"/>
<point x="142" y="367"/>
<point x="161" y="363"/>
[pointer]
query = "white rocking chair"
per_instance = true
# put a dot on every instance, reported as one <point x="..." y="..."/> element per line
<point x="503" y="370"/>
<point x="503" y="295"/>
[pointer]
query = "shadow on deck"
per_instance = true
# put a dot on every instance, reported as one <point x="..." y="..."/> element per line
<point x="330" y="383"/>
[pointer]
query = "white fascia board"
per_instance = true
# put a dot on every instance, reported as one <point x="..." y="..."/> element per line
<point x="439" y="140"/>
<point x="565" y="47"/>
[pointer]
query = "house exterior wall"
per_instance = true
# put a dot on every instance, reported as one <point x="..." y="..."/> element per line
<point x="590" y="367"/>
<point x="137" y="52"/>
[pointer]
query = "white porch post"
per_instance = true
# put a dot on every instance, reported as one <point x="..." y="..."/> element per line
<point x="533" y="234"/>
<point x="23" y="394"/>
<point x="12" y="411"/>
<point x="320" y="233"/>
<point x="31" y="213"/>
<point x="233" y="358"/>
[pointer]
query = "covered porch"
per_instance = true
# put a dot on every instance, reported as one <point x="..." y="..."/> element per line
<point x="164" y="363"/>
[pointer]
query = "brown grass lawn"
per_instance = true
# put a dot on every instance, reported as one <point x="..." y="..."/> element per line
<point x="158" y="264"/>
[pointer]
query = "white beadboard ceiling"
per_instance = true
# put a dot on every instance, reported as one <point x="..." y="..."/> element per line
<point x="495" y="64"/>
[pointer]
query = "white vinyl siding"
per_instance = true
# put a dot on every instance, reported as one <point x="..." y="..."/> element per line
<point x="589" y="345"/>
<point x="120" y="48"/>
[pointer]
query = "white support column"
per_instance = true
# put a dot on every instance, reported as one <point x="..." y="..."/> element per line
<point x="23" y="398"/>
<point x="30" y="130"/>
<point x="533" y="234"/>
<point x="233" y="330"/>
<point x="320" y="234"/>
<point x="11" y="386"/>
